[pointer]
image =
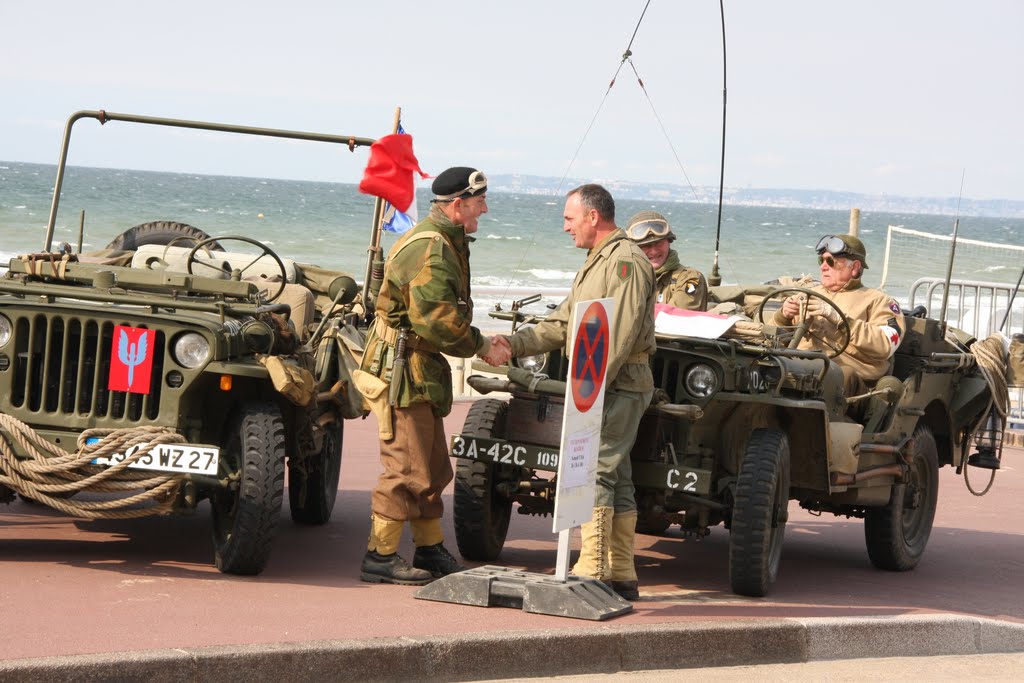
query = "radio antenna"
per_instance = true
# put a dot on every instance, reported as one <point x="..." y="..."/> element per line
<point x="715" y="279"/>
<point x="952" y="252"/>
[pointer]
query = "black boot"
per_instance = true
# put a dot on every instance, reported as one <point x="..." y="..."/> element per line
<point x="437" y="560"/>
<point x="627" y="590"/>
<point x="392" y="568"/>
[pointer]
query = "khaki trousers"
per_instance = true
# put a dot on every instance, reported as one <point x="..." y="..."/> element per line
<point x="416" y="467"/>
<point x="620" y="421"/>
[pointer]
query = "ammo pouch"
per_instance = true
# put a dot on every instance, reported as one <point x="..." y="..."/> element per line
<point x="292" y="380"/>
<point x="374" y="391"/>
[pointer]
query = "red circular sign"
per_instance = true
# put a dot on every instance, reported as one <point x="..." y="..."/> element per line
<point x="590" y="357"/>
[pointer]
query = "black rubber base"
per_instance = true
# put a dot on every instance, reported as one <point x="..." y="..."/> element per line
<point x="490" y="586"/>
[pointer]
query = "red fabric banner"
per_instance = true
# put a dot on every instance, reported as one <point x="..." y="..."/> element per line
<point x="389" y="171"/>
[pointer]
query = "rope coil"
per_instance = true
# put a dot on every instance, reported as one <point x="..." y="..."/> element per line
<point x="50" y="475"/>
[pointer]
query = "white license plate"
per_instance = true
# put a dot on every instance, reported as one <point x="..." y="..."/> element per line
<point x="181" y="458"/>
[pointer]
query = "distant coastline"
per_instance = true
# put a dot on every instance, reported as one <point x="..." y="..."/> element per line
<point x="779" y="198"/>
<point x="828" y="200"/>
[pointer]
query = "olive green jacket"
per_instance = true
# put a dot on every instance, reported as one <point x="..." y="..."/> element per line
<point x="618" y="269"/>
<point x="681" y="286"/>
<point x="426" y="290"/>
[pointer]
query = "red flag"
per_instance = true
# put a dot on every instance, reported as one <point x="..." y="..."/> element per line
<point x="131" y="359"/>
<point x="388" y="174"/>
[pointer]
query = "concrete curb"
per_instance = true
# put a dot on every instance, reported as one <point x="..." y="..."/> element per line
<point x="550" y="652"/>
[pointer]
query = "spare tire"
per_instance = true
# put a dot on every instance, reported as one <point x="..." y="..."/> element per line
<point x="161" y="232"/>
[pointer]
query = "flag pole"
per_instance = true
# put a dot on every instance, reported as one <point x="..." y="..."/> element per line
<point x="374" y="259"/>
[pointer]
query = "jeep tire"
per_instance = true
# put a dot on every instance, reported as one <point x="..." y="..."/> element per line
<point x="759" y="513"/>
<point x="313" y="481"/>
<point x="245" y="518"/>
<point x="897" y="533"/>
<point x="160" y="232"/>
<point x="482" y="513"/>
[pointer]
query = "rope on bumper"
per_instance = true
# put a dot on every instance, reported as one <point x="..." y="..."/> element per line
<point x="51" y="475"/>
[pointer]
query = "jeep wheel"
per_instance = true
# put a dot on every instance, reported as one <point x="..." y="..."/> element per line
<point x="159" y="232"/>
<point x="897" y="533"/>
<point x="759" y="513"/>
<point x="313" y="481"/>
<point x="245" y="518"/>
<point x="482" y="513"/>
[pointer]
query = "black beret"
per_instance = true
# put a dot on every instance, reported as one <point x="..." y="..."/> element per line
<point x="459" y="181"/>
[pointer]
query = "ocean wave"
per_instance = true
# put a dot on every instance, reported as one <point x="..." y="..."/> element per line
<point x="503" y="237"/>
<point x="549" y="274"/>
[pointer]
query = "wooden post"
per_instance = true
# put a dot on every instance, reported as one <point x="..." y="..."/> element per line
<point x="854" y="222"/>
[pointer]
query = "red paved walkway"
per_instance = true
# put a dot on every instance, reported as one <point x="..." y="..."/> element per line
<point x="70" y="587"/>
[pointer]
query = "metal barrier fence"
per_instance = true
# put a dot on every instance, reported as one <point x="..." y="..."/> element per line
<point x="980" y="308"/>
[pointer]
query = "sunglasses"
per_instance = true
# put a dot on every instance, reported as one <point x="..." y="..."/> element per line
<point x="833" y="262"/>
<point x="647" y="229"/>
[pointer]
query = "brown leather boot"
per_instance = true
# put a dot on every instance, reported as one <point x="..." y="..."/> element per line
<point x="620" y="557"/>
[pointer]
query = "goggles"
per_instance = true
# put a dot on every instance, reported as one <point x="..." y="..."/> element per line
<point x="835" y="245"/>
<point x="650" y="231"/>
<point x="477" y="183"/>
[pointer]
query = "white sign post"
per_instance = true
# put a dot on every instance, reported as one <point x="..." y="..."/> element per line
<point x="589" y="350"/>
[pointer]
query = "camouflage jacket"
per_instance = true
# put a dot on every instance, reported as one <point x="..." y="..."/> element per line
<point x="681" y="286"/>
<point x="426" y="290"/>
<point x="618" y="269"/>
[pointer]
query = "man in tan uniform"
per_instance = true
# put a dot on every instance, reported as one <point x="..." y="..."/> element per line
<point x="677" y="285"/>
<point x="876" y="322"/>
<point x="616" y="268"/>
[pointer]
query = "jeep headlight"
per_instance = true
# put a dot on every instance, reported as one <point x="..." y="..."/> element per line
<point x="5" y="331"/>
<point x="535" y="364"/>
<point x="191" y="350"/>
<point x="701" y="380"/>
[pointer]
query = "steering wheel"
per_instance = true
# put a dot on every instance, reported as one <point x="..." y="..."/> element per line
<point x="843" y="328"/>
<point x="236" y="273"/>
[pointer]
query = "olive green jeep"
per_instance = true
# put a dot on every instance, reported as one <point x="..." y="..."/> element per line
<point x="174" y="367"/>
<point x="741" y="425"/>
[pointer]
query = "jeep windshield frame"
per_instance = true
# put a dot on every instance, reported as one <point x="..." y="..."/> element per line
<point x="350" y="141"/>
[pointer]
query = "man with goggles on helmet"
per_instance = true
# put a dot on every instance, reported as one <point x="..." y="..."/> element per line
<point x="423" y="310"/>
<point x="677" y="285"/>
<point x="876" y="321"/>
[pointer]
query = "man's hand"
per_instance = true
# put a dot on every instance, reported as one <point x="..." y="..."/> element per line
<point x="816" y="308"/>
<point x="500" y="351"/>
<point x="791" y="306"/>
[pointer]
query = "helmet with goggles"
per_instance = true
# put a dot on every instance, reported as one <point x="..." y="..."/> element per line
<point x="843" y="245"/>
<point x="648" y="227"/>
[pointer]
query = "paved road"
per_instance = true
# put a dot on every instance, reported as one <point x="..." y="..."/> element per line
<point x="78" y="587"/>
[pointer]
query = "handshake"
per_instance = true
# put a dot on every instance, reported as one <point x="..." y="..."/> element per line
<point x="499" y="351"/>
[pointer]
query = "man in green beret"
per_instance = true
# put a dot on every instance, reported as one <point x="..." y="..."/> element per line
<point x="423" y="310"/>
<point x="876" y="321"/>
<point x="678" y="285"/>
<point x="615" y="268"/>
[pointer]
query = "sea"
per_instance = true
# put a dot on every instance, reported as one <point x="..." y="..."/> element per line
<point x="519" y="248"/>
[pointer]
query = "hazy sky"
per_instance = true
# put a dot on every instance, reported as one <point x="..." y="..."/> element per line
<point x="896" y="97"/>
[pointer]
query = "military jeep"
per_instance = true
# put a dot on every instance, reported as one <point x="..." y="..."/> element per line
<point x="741" y="425"/>
<point x="174" y="367"/>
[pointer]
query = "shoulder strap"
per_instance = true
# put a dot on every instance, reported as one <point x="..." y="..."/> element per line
<point x="426" y="234"/>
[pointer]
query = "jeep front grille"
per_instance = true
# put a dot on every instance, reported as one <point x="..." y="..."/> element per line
<point x="62" y="364"/>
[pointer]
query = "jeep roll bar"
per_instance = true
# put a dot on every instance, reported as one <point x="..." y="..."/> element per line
<point x="102" y="116"/>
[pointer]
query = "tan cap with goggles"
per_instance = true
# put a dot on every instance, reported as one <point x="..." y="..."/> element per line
<point x="843" y="245"/>
<point x="648" y="227"/>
